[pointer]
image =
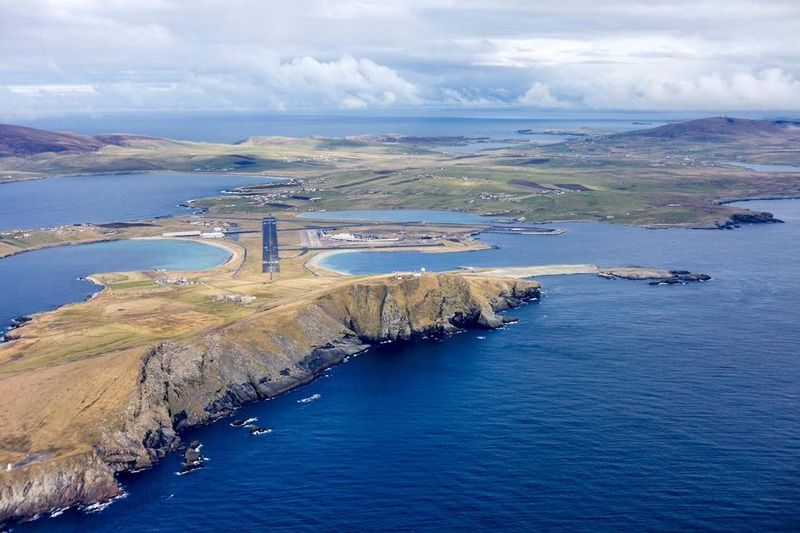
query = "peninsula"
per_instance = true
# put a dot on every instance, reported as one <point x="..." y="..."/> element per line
<point x="104" y="386"/>
<point x="69" y="427"/>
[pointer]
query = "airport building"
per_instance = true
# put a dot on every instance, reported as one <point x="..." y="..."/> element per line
<point x="270" y="261"/>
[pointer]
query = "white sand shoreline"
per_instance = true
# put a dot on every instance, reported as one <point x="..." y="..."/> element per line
<point x="236" y="254"/>
<point x="317" y="259"/>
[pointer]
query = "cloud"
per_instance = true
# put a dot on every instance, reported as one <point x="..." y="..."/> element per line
<point x="539" y="95"/>
<point x="96" y="55"/>
<point x="767" y="89"/>
<point x="345" y="83"/>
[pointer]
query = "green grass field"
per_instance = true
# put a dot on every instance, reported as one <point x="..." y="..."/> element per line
<point x="674" y="179"/>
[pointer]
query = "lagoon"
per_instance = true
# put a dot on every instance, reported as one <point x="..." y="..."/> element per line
<point x="41" y="280"/>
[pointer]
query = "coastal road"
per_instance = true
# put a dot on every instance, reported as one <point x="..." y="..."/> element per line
<point x="537" y="270"/>
<point x="640" y="273"/>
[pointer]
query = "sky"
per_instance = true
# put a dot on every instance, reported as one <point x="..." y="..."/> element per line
<point x="91" y="56"/>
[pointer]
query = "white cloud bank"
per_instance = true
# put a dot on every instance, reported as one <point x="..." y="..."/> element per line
<point x="345" y="83"/>
<point x="539" y="95"/>
<point x="93" y="55"/>
<point x="768" y="89"/>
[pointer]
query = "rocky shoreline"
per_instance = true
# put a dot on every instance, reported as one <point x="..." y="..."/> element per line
<point x="657" y="276"/>
<point x="737" y="219"/>
<point x="185" y="384"/>
<point x="17" y="322"/>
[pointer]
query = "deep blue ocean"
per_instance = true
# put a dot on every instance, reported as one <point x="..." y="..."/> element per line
<point x="609" y="406"/>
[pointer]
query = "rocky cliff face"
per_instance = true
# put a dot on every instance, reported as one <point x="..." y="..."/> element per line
<point x="184" y="384"/>
<point x="53" y="484"/>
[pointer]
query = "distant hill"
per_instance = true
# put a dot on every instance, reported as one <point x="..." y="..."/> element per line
<point x="719" y="129"/>
<point x="20" y="141"/>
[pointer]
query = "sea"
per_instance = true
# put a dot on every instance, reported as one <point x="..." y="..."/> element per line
<point x="108" y="198"/>
<point x="231" y="127"/>
<point x="607" y="406"/>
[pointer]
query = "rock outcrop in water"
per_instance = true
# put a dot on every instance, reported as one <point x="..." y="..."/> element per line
<point x="199" y="380"/>
<point x="192" y="458"/>
<point x="737" y="219"/>
<point x="659" y="276"/>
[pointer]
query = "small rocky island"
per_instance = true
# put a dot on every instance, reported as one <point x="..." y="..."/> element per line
<point x="737" y="219"/>
<point x="657" y="276"/>
<point x="192" y="458"/>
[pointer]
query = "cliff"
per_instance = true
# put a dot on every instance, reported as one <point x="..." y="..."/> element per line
<point x="124" y="411"/>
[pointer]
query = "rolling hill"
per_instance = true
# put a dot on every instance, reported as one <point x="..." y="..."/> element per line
<point x="22" y="141"/>
<point x="720" y="129"/>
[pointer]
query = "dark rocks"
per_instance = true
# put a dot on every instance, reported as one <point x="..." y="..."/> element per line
<point x="192" y="458"/>
<point x="20" y="321"/>
<point x="694" y="277"/>
<point x="331" y="353"/>
<point x="755" y="218"/>
<point x="658" y="276"/>
<point x="236" y="394"/>
<point x="14" y="324"/>
<point x="192" y="454"/>
<point x="258" y="430"/>
<point x="736" y="219"/>
<point x="240" y="423"/>
<point x="681" y="277"/>
<point x="60" y="482"/>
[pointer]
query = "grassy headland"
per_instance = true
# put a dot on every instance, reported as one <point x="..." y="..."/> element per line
<point x="73" y="379"/>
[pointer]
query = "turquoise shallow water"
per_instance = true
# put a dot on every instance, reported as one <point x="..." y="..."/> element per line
<point x="609" y="406"/>
<point x="45" y="279"/>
